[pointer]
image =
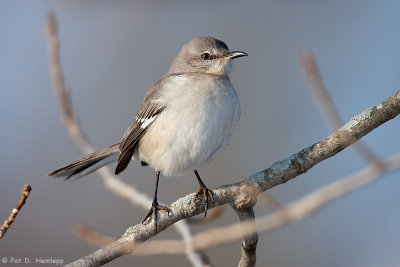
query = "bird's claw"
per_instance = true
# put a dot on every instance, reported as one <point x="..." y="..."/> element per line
<point x="153" y="213"/>
<point x="208" y="196"/>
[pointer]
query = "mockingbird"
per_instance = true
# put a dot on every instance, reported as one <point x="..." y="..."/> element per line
<point x="185" y="121"/>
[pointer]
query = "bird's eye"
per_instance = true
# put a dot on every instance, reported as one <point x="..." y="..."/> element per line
<point x="206" y="56"/>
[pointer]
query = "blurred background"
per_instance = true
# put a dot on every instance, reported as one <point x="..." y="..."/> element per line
<point x="113" y="51"/>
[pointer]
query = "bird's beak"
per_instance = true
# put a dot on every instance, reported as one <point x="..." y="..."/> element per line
<point x="235" y="54"/>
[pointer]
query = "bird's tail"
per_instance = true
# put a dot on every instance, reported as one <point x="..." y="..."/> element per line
<point x="88" y="164"/>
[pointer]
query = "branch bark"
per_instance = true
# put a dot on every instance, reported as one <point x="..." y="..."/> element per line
<point x="292" y="212"/>
<point x="249" y="242"/>
<point x="243" y="194"/>
<point x="7" y="223"/>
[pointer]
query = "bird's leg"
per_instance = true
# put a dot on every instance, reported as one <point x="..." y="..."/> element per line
<point x="205" y="191"/>
<point x="155" y="207"/>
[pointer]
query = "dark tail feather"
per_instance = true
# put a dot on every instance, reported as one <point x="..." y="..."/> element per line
<point x="124" y="160"/>
<point x="88" y="164"/>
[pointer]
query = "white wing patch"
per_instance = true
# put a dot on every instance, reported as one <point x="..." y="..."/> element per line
<point x="150" y="113"/>
<point x="144" y="122"/>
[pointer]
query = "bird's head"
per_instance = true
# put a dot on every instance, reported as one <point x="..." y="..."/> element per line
<point x="205" y="55"/>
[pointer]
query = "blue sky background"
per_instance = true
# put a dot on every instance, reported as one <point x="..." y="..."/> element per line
<point x="111" y="53"/>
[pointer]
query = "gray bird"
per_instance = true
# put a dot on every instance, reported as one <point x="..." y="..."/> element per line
<point x="185" y="121"/>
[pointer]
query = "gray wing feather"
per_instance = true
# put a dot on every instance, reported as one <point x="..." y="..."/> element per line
<point x="151" y="108"/>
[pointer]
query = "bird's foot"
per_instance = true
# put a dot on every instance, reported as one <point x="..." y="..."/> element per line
<point x="208" y="196"/>
<point x="153" y="212"/>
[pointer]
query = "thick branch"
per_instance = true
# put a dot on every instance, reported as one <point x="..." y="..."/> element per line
<point x="7" y="223"/>
<point x="292" y="212"/>
<point x="243" y="194"/>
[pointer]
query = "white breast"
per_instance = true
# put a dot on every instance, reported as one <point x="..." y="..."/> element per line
<point x="195" y="126"/>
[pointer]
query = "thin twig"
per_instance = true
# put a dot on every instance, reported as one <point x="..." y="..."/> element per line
<point x="244" y="193"/>
<point x="71" y="123"/>
<point x="93" y="238"/>
<point x="90" y="236"/>
<point x="64" y="99"/>
<point x="266" y="201"/>
<point x="324" y="102"/>
<point x="7" y="223"/>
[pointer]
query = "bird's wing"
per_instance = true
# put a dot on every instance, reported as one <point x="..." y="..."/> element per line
<point x="151" y="108"/>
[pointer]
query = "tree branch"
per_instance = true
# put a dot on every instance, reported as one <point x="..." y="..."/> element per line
<point x="243" y="194"/>
<point x="7" y="223"/>
<point x="249" y="242"/>
<point x="67" y="113"/>
<point x="292" y="212"/>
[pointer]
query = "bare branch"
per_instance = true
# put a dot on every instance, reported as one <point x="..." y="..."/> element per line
<point x="244" y="193"/>
<point x="71" y="123"/>
<point x="292" y="212"/>
<point x="7" y="223"/>
<point x="249" y="242"/>
<point x="68" y="117"/>
<point x="324" y="102"/>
